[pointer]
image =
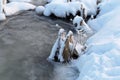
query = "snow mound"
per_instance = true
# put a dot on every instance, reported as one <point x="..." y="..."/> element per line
<point x="14" y="7"/>
<point x="58" y="1"/>
<point x="108" y="5"/>
<point x="61" y="9"/>
<point x="2" y="16"/>
<point x="81" y="25"/>
<point x="102" y="59"/>
<point x="98" y="23"/>
<point x="39" y="10"/>
<point x="100" y="67"/>
<point x="20" y="0"/>
<point x="91" y="5"/>
<point x="77" y="20"/>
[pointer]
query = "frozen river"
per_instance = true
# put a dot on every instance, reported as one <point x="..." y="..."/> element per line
<point x="25" y="43"/>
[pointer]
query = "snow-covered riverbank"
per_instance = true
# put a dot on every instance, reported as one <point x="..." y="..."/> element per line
<point x="26" y="41"/>
<point x="101" y="61"/>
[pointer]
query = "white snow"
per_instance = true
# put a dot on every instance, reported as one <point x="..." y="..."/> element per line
<point x="102" y="59"/>
<point x="62" y="9"/>
<point x="57" y="25"/>
<point x="21" y="0"/>
<point x="100" y="67"/>
<point x="78" y="20"/>
<point x="109" y="9"/>
<point x="2" y="16"/>
<point x="14" y="7"/>
<point x="91" y="6"/>
<point x="59" y="43"/>
<point x="57" y="1"/>
<point x="1" y="6"/>
<point x="108" y="5"/>
<point x="69" y="33"/>
<point x="60" y="31"/>
<point x="39" y="10"/>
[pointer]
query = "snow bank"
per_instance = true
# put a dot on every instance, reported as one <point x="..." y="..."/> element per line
<point x="110" y="30"/>
<point x="108" y="5"/>
<point x="20" y="0"/>
<point x="62" y="9"/>
<point x="2" y="16"/>
<point x="99" y="67"/>
<point x="14" y="7"/>
<point x="58" y="1"/>
<point x="91" y="5"/>
<point x="102" y="59"/>
<point x="106" y="14"/>
<point x="1" y="6"/>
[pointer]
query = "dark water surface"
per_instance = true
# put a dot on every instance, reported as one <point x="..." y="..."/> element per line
<point x="25" y="43"/>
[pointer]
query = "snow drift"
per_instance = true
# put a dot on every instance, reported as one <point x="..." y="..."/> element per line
<point x="14" y="7"/>
<point x="2" y="16"/>
<point x="20" y="0"/>
<point x="90" y="4"/>
<point x="8" y="9"/>
<point x="101" y="61"/>
<point x="62" y="8"/>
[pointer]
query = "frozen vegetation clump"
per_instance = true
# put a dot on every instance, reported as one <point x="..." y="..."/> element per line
<point x="65" y="48"/>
